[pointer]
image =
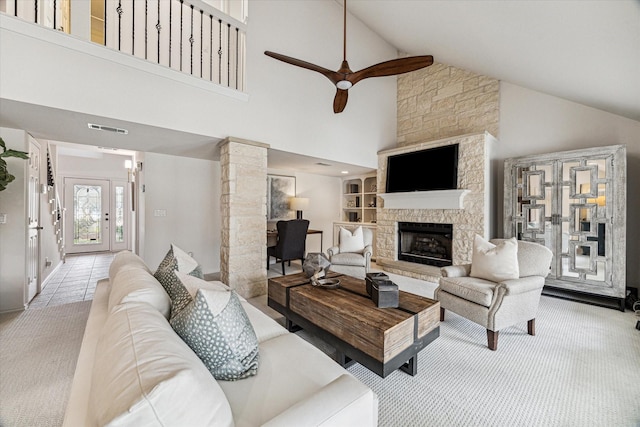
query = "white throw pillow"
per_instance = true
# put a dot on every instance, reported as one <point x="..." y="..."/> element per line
<point x="145" y="375"/>
<point x="351" y="242"/>
<point x="495" y="262"/>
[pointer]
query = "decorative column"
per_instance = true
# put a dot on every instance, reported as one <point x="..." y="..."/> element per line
<point x="243" y="204"/>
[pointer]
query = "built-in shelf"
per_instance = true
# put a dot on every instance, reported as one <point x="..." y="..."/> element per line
<point x="437" y="199"/>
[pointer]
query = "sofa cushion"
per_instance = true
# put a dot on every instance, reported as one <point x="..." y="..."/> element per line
<point x="145" y="375"/>
<point x="291" y="370"/>
<point x="494" y="262"/>
<point x="138" y="285"/>
<point x="218" y="330"/>
<point x="471" y="289"/>
<point x="348" y="258"/>
<point x="264" y="326"/>
<point x="177" y="260"/>
<point x="351" y="241"/>
<point x="126" y="260"/>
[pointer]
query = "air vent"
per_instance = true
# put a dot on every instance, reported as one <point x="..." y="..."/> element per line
<point x="107" y="128"/>
<point x="322" y="164"/>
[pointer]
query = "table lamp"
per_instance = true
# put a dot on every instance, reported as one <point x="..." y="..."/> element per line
<point x="298" y="204"/>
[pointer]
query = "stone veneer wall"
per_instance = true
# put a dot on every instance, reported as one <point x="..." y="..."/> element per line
<point x="473" y="175"/>
<point x="243" y="251"/>
<point x="442" y="101"/>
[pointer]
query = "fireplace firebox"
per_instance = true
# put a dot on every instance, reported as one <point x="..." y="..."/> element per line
<point x="425" y="243"/>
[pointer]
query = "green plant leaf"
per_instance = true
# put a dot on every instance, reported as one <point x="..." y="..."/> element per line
<point x="15" y="153"/>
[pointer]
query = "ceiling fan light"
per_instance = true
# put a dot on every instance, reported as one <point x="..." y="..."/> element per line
<point x="344" y="84"/>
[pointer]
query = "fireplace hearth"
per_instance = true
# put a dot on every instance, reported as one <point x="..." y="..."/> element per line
<point x="425" y="243"/>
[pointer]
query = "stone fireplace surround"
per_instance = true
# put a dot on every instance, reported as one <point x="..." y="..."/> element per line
<point x="471" y="218"/>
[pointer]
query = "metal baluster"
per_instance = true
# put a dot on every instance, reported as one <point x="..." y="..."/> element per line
<point x="55" y="14"/>
<point x="211" y="48"/>
<point x="158" y="27"/>
<point x="170" y="25"/>
<point x="191" y="40"/>
<point x="201" y="30"/>
<point x="15" y="7"/>
<point x="146" y="20"/>
<point x="35" y="2"/>
<point x="181" y="3"/>
<point x="120" y="11"/>
<point x="237" y="50"/>
<point x="219" y="51"/>
<point x="133" y="27"/>
<point x="228" y="55"/>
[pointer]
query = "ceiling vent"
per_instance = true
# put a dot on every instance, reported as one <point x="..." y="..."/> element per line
<point x="107" y="128"/>
<point x="322" y="164"/>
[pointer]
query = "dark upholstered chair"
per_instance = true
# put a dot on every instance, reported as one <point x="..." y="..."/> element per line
<point x="292" y="237"/>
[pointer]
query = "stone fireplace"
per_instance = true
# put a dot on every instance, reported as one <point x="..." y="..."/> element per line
<point x="468" y="216"/>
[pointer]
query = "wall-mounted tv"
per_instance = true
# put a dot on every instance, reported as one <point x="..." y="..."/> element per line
<point x="425" y="170"/>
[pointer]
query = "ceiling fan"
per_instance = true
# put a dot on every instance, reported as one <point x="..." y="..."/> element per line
<point x="344" y="78"/>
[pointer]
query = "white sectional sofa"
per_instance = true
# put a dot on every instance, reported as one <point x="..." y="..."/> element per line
<point x="133" y="369"/>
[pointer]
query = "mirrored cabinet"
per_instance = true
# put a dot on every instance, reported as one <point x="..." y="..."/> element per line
<point x="574" y="203"/>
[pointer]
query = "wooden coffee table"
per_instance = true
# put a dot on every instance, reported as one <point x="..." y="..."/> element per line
<point x="382" y="339"/>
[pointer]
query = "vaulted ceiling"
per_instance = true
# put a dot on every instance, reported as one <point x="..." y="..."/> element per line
<point x="583" y="51"/>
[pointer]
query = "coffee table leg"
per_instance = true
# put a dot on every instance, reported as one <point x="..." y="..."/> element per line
<point x="343" y="359"/>
<point x="291" y="327"/>
<point x="411" y="367"/>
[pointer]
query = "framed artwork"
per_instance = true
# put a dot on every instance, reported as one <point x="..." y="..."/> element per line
<point x="279" y="190"/>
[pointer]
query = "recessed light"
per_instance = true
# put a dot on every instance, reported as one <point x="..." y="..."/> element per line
<point x="344" y="172"/>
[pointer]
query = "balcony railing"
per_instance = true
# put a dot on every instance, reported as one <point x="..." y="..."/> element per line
<point x="191" y="37"/>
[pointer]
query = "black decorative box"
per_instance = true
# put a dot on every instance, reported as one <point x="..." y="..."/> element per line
<point x="370" y="277"/>
<point x="383" y="291"/>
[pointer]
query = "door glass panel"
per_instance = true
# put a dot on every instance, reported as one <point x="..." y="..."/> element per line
<point x="87" y="214"/>
<point x="119" y="213"/>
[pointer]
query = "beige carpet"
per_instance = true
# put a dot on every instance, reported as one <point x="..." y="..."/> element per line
<point x="581" y="369"/>
<point x="38" y="352"/>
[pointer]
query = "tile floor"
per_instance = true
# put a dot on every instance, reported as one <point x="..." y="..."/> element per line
<point x="75" y="280"/>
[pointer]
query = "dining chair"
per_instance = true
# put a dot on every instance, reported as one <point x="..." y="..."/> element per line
<point x="291" y="243"/>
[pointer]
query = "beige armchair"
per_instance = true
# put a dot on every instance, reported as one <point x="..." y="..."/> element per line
<point x="354" y="263"/>
<point x="497" y="305"/>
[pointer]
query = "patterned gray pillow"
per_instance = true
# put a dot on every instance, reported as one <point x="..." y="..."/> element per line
<point x="177" y="260"/>
<point x="218" y="330"/>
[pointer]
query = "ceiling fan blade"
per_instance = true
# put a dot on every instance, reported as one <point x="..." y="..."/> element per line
<point x="340" y="101"/>
<point x="331" y="75"/>
<point x="392" y="68"/>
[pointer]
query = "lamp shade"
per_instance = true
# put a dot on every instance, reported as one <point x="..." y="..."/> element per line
<point x="298" y="203"/>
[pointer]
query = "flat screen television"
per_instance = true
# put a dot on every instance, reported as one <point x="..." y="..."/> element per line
<point x="425" y="170"/>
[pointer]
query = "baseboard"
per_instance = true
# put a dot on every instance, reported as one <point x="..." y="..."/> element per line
<point x="601" y="301"/>
<point x="45" y="282"/>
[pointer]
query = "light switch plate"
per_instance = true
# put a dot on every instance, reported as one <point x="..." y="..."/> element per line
<point x="160" y="212"/>
<point x="3" y="218"/>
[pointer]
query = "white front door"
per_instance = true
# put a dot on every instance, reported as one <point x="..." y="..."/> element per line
<point x="33" y="238"/>
<point x="88" y="225"/>
<point x="98" y="215"/>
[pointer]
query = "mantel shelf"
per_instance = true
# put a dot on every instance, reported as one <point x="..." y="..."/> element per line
<point x="438" y="199"/>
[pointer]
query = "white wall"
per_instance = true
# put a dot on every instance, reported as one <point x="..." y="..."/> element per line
<point x="288" y="107"/>
<point x="324" y="195"/>
<point x="532" y="122"/>
<point x="188" y="190"/>
<point x="13" y="234"/>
